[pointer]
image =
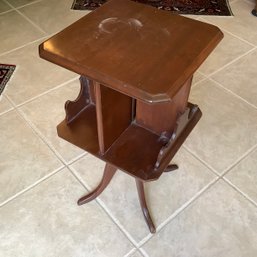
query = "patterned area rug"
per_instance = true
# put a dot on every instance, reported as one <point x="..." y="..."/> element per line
<point x="6" y="72"/>
<point x="197" y="7"/>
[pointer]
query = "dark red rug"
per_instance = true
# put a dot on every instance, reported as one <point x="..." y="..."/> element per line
<point x="197" y="7"/>
<point x="6" y="71"/>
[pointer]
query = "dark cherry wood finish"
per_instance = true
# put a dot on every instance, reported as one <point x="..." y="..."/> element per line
<point x="109" y="172"/>
<point x="138" y="50"/>
<point x="162" y="116"/>
<point x="143" y="204"/>
<point x="136" y="65"/>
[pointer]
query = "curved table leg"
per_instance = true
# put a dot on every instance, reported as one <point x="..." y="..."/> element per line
<point x="109" y="171"/>
<point x="141" y="194"/>
<point x="171" y="167"/>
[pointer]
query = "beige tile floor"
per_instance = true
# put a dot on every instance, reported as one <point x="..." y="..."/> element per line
<point x="207" y="208"/>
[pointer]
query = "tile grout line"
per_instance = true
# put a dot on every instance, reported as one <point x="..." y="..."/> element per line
<point x="241" y="158"/>
<point x="221" y="176"/>
<point x="24" y="5"/>
<point x="118" y="224"/>
<point x="240" y="38"/>
<point x="229" y="32"/>
<point x="201" y="80"/>
<point x="143" y="252"/>
<point x="30" y="21"/>
<point x="128" y="254"/>
<point x="31" y="186"/>
<point x="7" y="2"/>
<point x="10" y="10"/>
<point x="231" y="62"/>
<point x="48" y="143"/>
<point x="6" y="111"/>
<point x="232" y="93"/>
<point x="218" y="84"/>
<point x="38" y="133"/>
<point x="247" y="1"/>
<point x="20" y="47"/>
<point x="25" y="17"/>
<point x="41" y="136"/>
<point x="201" y="160"/>
<point x="239" y="191"/>
<point x="180" y="210"/>
<point x="105" y="209"/>
<point x="3" y="97"/>
<point x="77" y="158"/>
<point x="44" y="93"/>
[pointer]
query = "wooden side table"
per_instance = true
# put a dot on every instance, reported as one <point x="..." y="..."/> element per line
<point x="136" y="65"/>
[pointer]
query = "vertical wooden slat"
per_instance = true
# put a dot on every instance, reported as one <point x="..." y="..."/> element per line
<point x="99" y="116"/>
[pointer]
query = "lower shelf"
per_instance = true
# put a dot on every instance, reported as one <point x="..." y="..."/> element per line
<point x="135" y="151"/>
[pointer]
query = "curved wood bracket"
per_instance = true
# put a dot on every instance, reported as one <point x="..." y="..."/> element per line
<point x="168" y="140"/>
<point x="74" y="108"/>
<point x="147" y="216"/>
<point x="109" y="171"/>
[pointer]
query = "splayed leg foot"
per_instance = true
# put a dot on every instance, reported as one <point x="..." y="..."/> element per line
<point x="171" y="167"/>
<point x="147" y="216"/>
<point x="109" y="171"/>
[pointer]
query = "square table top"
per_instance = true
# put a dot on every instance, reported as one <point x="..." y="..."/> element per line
<point x="133" y="48"/>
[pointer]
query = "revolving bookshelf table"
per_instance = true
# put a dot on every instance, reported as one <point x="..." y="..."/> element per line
<point x="136" y="65"/>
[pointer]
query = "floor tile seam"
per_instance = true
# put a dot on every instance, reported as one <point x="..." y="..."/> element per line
<point x="20" y="47"/>
<point x="43" y="93"/>
<point x="75" y="173"/>
<point x="218" y="84"/>
<point x="128" y="254"/>
<point x="5" y="1"/>
<point x="240" y="159"/>
<point x="227" y="169"/>
<point x="30" y="187"/>
<point x="248" y="1"/>
<point x="4" y="12"/>
<point x="25" y="17"/>
<point x="38" y="133"/>
<point x="101" y="204"/>
<point x="117" y="223"/>
<point x="77" y="158"/>
<point x="231" y="62"/>
<point x="6" y="111"/>
<point x="199" y="81"/>
<point x="201" y="73"/>
<point x="180" y="210"/>
<point x="207" y="165"/>
<point x="43" y="138"/>
<point x="31" y="22"/>
<point x="24" y="5"/>
<point x="46" y="141"/>
<point x="231" y="33"/>
<point x="239" y="38"/>
<point x="143" y="252"/>
<point x="236" y="188"/>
